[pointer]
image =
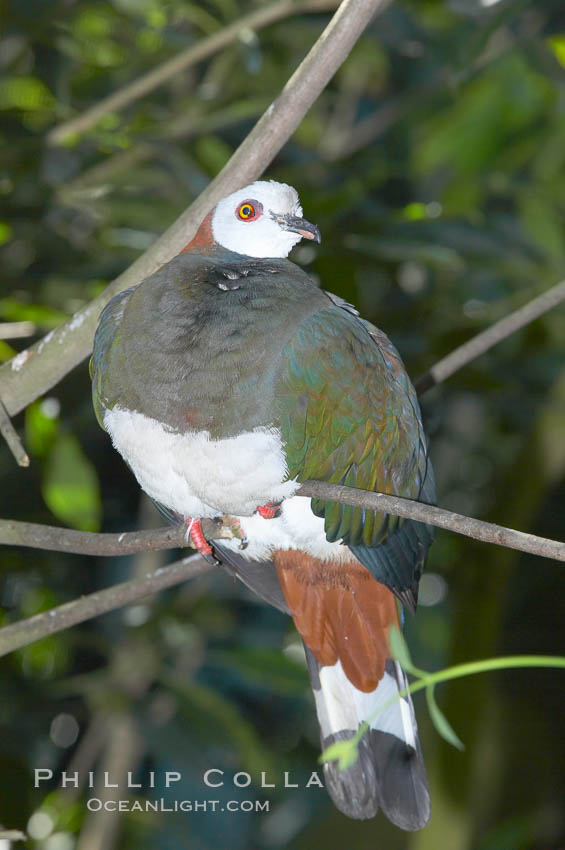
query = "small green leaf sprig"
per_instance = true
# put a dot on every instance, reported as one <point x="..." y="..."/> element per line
<point x="346" y="753"/>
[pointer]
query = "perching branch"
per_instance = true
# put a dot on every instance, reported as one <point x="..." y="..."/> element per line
<point x="476" y="346"/>
<point x="84" y="608"/>
<point x="64" y="540"/>
<point x="257" y="20"/>
<point x="55" y="539"/>
<point x="33" y="371"/>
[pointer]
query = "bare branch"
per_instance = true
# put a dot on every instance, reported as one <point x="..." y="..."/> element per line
<point x="12" y="437"/>
<point x="12" y="835"/>
<point x="62" y="617"/>
<point x="16" y="330"/>
<point x="259" y="19"/>
<point x="476" y="346"/>
<point x="40" y="367"/>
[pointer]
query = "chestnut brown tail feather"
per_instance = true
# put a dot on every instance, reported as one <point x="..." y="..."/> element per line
<point x="341" y="613"/>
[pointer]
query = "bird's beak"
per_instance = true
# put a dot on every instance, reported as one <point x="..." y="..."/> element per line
<point x="298" y="225"/>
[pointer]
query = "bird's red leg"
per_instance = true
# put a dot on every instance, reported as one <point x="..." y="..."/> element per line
<point x="270" y="510"/>
<point x="194" y="531"/>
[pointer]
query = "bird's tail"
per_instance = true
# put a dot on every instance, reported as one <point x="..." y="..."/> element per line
<point x="344" y="617"/>
<point x="389" y="773"/>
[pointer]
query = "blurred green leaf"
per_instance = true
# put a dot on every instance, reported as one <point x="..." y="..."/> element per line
<point x="41" y="428"/>
<point x="5" y="232"/>
<point x="213" y="153"/>
<point x="70" y="485"/>
<point x="25" y="93"/>
<point x="557" y="45"/>
<point x="14" y="310"/>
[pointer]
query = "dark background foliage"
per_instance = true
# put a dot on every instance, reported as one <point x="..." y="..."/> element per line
<point x="433" y="165"/>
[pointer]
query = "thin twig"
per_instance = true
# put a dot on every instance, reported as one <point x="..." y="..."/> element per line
<point x="205" y="48"/>
<point x="62" y="617"/>
<point x="491" y="336"/>
<point x="12" y="438"/>
<point x="40" y="367"/>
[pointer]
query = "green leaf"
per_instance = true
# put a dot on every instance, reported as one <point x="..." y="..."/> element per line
<point x="13" y="310"/>
<point x="26" y="93"/>
<point x="399" y="648"/>
<point x="440" y="721"/>
<point x="345" y="753"/>
<point x="5" y="232"/>
<point x="70" y="486"/>
<point x="213" y="152"/>
<point x="6" y="351"/>
<point x="557" y="45"/>
<point x="41" y="428"/>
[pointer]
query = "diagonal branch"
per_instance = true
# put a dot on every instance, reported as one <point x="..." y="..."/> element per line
<point x="62" y="617"/>
<point x="12" y="437"/>
<point x="40" y="367"/>
<point x="480" y="343"/>
<point x="259" y="19"/>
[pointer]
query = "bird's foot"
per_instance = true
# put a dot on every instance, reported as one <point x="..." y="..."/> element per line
<point x="269" y="511"/>
<point x="234" y="530"/>
<point x="196" y="535"/>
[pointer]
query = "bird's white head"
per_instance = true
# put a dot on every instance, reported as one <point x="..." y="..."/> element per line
<point x="263" y="219"/>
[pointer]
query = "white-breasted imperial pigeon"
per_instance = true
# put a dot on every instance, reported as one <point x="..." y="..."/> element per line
<point x="227" y="378"/>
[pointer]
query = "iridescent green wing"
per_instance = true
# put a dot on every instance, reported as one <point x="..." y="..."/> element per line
<point x="105" y="339"/>
<point x="349" y="415"/>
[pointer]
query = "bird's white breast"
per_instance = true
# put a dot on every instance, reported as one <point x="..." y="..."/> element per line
<point x="199" y="477"/>
<point x="196" y="476"/>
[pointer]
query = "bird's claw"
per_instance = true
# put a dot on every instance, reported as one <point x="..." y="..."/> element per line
<point x="211" y="559"/>
<point x="271" y="510"/>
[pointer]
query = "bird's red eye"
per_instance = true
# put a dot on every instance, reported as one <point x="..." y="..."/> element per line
<point x="249" y="210"/>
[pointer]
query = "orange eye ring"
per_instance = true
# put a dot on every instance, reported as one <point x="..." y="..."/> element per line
<point x="249" y="210"/>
